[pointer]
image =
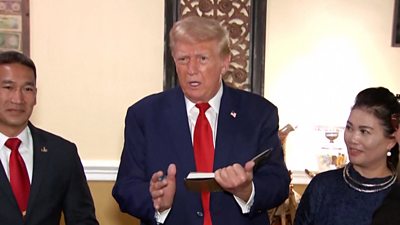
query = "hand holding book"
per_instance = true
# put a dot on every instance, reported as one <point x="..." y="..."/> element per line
<point x="200" y="181"/>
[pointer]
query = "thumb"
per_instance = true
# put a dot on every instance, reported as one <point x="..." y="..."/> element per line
<point x="171" y="172"/>
<point x="249" y="166"/>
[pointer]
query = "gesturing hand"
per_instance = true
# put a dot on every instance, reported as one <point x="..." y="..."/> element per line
<point x="162" y="188"/>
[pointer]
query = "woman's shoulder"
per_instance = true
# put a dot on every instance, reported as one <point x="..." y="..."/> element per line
<point x="328" y="175"/>
<point x="395" y="191"/>
<point x="327" y="178"/>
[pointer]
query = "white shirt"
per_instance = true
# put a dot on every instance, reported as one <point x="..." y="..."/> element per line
<point x="25" y="149"/>
<point x="211" y="113"/>
<point x="212" y="116"/>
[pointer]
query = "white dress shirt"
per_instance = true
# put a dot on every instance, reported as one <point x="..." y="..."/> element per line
<point x="211" y="114"/>
<point x="25" y="149"/>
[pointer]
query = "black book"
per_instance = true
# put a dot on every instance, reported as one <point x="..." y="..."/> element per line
<point x="205" y="182"/>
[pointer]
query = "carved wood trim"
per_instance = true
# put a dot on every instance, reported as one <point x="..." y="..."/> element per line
<point x="396" y="25"/>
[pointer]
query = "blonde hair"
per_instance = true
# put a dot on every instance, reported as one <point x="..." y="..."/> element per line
<point x="195" y="29"/>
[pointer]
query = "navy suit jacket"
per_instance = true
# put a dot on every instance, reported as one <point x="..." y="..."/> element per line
<point x="157" y="133"/>
<point x="58" y="185"/>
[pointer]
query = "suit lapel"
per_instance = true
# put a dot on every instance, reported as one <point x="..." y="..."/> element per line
<point x="40" y="162"/>
<point x="176" y="116"/>
<point x="227" y="127"/>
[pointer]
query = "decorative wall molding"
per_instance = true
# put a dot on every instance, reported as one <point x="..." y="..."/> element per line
<point x="101" y="170"/>
<point x="300" y="177"/>
<point x="106" y="170"/>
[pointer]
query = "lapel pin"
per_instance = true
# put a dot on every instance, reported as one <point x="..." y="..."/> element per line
<point x="44" y="149"/>
<point x="233" y="114"/>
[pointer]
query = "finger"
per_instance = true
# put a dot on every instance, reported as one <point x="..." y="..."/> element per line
<point x="156" y="176"/>
<point x="156" y="183"/>
<point x="243" y="174"/>
<point x="156" y="204"/>
<point x="249" y="166"/>
<point x="230" y="174"/>
<point x="219" y="178"/>
<point x="226" y="173"/>
<point x="157" y="194"/>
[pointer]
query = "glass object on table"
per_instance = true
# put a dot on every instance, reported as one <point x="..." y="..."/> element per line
<point x="332" y="154"/>
<point x="332" y="134"/>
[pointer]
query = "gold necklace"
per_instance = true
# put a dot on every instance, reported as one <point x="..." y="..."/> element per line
<point x="367" y="188"/>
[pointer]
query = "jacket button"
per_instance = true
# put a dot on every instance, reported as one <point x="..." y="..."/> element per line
<point x="199" y="214"/>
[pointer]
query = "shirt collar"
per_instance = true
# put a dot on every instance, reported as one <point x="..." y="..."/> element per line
<point x="214" y="102"/>
<point x="23" y="136"/>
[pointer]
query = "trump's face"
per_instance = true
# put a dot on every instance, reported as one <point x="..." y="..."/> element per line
<point x="200" y="67"/>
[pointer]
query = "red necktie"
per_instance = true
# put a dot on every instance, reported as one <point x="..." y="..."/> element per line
<point x="204" y="154"/>
<point x="19" y="178"/>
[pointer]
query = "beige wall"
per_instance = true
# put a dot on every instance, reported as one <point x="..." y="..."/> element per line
<point x="97" y="57"/>
<point x="107" y="210"/>
<point x="94" y="59"/>
<point x="320" y="53"/>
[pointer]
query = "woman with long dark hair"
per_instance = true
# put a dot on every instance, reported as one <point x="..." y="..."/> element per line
<point x="350" y="195"/>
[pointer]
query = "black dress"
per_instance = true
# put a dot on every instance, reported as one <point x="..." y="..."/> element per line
<point x="329" y="200"/>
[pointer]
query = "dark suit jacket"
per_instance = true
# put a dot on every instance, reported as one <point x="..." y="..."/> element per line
<point x="389" y="212"/>
<point x="58" y="185"/>
<point x="157" y="133"/>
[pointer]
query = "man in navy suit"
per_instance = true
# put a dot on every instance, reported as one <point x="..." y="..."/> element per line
<point x="57" y="183"/>
<point x="158" y="150"/>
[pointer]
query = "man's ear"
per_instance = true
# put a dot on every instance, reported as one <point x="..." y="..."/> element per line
<point x="227" y="62"/>
<point x="391" y="144"/>
<point x="397" y="135"/>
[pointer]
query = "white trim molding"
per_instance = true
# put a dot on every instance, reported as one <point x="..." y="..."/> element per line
<point x="300" y="177"/>
<point x="101" y="170"/>
<point x="106" y="170"/>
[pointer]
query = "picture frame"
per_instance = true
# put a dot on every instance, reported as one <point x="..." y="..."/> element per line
<point x="14" y="26"/>
<point x="396" y="25"/>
